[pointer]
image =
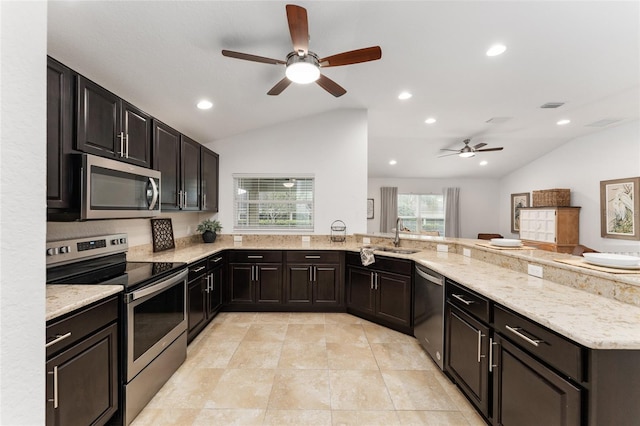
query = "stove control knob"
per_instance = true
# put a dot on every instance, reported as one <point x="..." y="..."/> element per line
<point x="52" y="251"/>
<point x="65" y="249"/>
<point x="115" y="242"/>
<point x="123" y="240"/>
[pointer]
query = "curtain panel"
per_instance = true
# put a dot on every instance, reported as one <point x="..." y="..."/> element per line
<point x="451" y="212"/>
<point x="388" y="208"/>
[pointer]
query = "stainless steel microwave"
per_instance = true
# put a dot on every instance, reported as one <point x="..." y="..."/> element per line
<point x="111" y="189"/>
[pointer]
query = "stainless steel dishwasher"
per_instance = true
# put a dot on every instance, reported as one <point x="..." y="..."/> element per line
<point x="428" y="312"/>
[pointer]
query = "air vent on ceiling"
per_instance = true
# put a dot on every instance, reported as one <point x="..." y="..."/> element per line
<point x="604" y="122"/>
<point x="552" y="105"/>
<point x="498" y="120"/>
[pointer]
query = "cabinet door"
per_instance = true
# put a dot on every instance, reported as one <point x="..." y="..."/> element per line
<point x="269" y="283"/>
<point x="209" y="180"/>
<point x="196" y="305"/>
<point x="136" y="126"/>
<point x="166" y="159"/>
<point x="215" y="290"/>
<point x="59" y="135"/>
<point x="466" y="356"/>
<point x="190" y="173"/>
<point x="298" y="283"/>
<point x="393" y="298"/>
<point x="326" y="286"/>
<point x="97" y="120"/>
<point x="527" y="393"/>
<point x="240" y="283"/>
<point x="86" y="379"/>
<point x="360" y="294"/>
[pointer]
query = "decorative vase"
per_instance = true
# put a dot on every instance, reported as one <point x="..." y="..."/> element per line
<point x="209" y="236"/>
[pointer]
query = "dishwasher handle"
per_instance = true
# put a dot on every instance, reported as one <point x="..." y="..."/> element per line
<point x="436" y="280"/>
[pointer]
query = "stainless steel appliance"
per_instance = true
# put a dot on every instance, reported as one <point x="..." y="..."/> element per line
<point x="112" y="189"/>
<point x="153" y="310"/>
<point x="429" y="312"/>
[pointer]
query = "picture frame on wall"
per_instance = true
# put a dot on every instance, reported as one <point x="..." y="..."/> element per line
<point x="369" y="208"/>
<point x="522" y="199"/>
<point x="620" y="208"/>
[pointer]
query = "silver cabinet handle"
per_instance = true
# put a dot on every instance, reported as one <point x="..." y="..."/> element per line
<point x="460" y="298"/>
<point x="154" y="198"/>
<point x="480" y="336"/>
<point x="217" y="259"/>
<point x="126" y="155"/>
<point x="372" y="279"/>
<point x="315" y="273"/>
<point x="121" y="137"/>
<point x="516" y="331"/>
<point x="491" y="364"/>
<point x="310" y="274"/>
<point x="204" y="201"/>
<point x="59" y="338"/>
<point x="257" y="273"/>
<point x="255" y="257"/>
<point x="185" y="200"/>
<point x="199" y="269"/>
<point x="252" y="276"/>
<point x="179" y="198"/>
<point x="55" y="386"/>
<point x="376" y="281"/>
<point x="208" y="283"/>
<point x="311" y="257"/>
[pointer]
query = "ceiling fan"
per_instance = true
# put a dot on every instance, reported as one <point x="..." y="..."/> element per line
<point x="469" y="151"/>
<point x="302" y="65"/>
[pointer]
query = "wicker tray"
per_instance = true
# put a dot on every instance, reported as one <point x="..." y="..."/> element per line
<point x="557" y="197"/>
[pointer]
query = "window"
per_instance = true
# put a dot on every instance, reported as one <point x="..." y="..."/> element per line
<point x="422" y="212"/>
<point x="273" y="203"/>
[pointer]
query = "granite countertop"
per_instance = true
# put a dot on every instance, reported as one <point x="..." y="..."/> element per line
<point x="594" y="321"/>
<point x="63" y="298"/>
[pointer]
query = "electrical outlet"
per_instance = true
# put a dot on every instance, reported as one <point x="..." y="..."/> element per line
<point x="237" y="238"/>
<point x="442" y="247"/>
<point x="366" y="240"/>
<point x="535" y="270"/>
<point x="306" y="238"/>
<point x="466" y="252"/>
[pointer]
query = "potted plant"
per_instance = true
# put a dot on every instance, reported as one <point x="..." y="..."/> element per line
<point x="209" y="229"/>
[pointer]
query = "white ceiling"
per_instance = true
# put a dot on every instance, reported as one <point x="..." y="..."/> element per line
<point x="165" y="56"/>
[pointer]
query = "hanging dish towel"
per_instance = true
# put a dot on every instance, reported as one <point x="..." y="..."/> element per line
<point x="366" y="256"/>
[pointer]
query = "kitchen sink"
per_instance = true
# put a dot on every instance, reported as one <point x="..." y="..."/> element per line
<point x="396" y="250"/>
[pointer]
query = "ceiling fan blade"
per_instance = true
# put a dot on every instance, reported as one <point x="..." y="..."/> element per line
<point x="489" y="149"/>
<point x="446" y="155"/>
<point x="352" y="57"/>
<point x="298" y="27"/>
<point x="479" y="145"/>
<point x="330" y="86"/>
<point x="253" y="58"/>
<point x="279" y="87"/>
<point x="452" y="150"/>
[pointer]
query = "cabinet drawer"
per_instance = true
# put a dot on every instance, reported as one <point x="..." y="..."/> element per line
<point x="215" y="260"/>
<point x="81" y="324"/>
<point x="306" y="256"/>
<point x="382" y="263"/>
<point x="255" y="256"/>
<point x="468" y="301"/>
<point x="548" y="346"/>
<point x="197" y="269"/>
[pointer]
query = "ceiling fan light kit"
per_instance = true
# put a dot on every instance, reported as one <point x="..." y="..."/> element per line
<point x="302" y="66"/>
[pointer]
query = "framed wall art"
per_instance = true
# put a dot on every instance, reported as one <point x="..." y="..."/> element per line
<point x="517" y="202"/>
<point x="369" y="208"/>
<point x="620" y="208"/>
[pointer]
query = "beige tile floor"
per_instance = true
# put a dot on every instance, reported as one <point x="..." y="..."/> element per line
<point x="306" y="369"/>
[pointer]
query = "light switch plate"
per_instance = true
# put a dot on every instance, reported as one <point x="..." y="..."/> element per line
<point x="442" y="247"/>
<point x="366" y="240"/>
<point x="466" y="252"/>
<point x="237" y="238"/>
<point x="535" y="270"/>
<point x="306" y="238"/>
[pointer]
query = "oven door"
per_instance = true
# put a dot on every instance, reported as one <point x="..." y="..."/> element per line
<point x="156" y="315"/>
<point x="112" y="189"/>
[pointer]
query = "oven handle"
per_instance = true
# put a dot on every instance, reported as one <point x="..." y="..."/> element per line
<point x="172" y="280"/>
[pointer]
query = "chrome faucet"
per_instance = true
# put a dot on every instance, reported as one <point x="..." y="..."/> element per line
<point x="396" y="240"/>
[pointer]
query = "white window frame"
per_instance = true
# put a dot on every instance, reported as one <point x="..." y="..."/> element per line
<point x="242" y="205"/>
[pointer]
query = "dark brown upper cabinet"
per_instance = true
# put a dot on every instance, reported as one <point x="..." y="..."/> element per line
<point x="111" y="127"/>
<point x="178" y="159"/>
<point x="59" y="135"/>
<point x="209" y="162"/>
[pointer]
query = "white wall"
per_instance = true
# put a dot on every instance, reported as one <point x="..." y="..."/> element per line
<point x="332" y="146"/>
<point x="478" y="200"/>
<point x="580" y="165"/>
<point x="23" y="30"/>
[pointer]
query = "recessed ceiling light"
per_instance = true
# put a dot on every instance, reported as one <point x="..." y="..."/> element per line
<point x="404" y="96"/>
<point x="393" y="162"/>
<point x="496" y="49"/>
<point x="430" y="120"/>
<point x="204" y="104"/>
<point x="563" y="122"/>
<point x="484" y="162"/>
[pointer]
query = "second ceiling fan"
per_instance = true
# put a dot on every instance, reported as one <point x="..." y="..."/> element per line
<point x="302" y="65"/>
<point x="469" y="151"/>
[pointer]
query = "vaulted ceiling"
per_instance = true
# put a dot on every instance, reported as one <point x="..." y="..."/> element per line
<point x="164" y="56"/>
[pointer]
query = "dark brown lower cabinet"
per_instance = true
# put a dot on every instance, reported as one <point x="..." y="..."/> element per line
<point x="204" y="292"/>
<point x="255" y="284"/>
<point x="314" y="279"/>
<point x="528" y="393"/>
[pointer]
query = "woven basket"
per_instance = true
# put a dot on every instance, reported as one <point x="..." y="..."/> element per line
<point x="557" y="197"/>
